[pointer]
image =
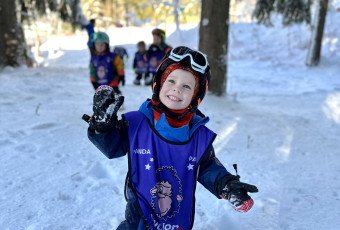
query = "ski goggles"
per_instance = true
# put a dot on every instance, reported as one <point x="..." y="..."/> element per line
<point x="198" y="60"/>
<point x="98" y="37"/>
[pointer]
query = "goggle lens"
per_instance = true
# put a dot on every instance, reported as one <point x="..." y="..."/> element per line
<point x="198" y="59"/>
<point x="96" y="36"/>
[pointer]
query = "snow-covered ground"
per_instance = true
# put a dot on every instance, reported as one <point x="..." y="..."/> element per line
<point x="280" y="122"/>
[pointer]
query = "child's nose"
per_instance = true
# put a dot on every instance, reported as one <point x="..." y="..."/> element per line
<point x="176" y="88"/>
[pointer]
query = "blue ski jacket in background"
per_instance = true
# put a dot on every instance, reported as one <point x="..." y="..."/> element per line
<point x="90" y="30"/>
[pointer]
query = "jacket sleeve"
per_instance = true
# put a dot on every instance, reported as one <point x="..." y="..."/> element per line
<point x="93" y="74"/>
<point x="119" y="66"/>
<point x="211" y="172"/>
<point x="87" y="27"/>
<point x="112" y="144"/>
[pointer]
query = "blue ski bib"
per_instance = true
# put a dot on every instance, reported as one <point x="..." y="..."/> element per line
<point x="104" y="68"/>
<point x="156" y="55"/>
<point x="163" y="174"/>
<point x="141" y="63"/>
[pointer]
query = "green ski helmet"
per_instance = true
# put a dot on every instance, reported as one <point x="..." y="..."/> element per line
<point x="100" y="37"/>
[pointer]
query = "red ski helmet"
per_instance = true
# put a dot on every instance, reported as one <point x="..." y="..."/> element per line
<point x="197" y="62"/>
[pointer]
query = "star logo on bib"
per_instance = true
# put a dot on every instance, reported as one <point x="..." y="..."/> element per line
<point x="147" y="167"/>
<point x="190" y="167"/>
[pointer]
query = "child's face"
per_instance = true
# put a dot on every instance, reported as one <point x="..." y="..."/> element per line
<point x="141" y="48"/>
<point x="157" y="39"/>
<point x="100" y="46"/>
<point x="178" y="89"/>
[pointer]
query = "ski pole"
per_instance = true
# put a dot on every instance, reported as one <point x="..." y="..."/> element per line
<point x="86" y="118"/>
<point x="235" y="167"/>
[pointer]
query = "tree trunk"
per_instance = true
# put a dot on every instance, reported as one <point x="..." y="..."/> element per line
<point x="176" y="15"/>
<point x="314" y="51"/>
<point x="213" y="41"/>
<point x="12" y="50"/>
<point x="74" y="14"/>
<point x="126" y="8"/>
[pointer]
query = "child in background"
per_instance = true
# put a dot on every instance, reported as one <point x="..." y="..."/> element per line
<point x="168" y="146"/>
<point x="106" y="68"/>
<point x="90" y="30"/>
<point x="121" y="51"/>
<point x="140" y="63"/>
<point x="156" y="52"/>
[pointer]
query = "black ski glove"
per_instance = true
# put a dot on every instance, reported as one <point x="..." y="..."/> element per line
<point x="236" y="192"/>
<point x="105" y="107"/>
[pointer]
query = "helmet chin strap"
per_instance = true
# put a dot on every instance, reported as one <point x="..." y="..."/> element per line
<point x="189" y="110"/>
<point x="160" y="108"/>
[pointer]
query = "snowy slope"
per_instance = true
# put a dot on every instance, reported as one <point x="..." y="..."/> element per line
<point x="279" y="122"/>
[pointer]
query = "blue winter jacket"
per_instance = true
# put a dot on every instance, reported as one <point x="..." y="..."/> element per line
<point x="114" y="144"/>
<point x="90" y="30"/>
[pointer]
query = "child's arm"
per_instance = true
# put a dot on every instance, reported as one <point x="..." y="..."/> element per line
<point x="211" y="172"/>
<point x="221" y="183"/>
<point x="87" y="27"/>
<point x="112" y="144"/>
<point x="93" y="76"/>
<point x="118" y="65"/>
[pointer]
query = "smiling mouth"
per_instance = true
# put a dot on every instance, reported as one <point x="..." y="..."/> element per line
<point x="173" y="98"/>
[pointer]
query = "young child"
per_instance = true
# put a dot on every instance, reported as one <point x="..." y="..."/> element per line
<point x="156" y="52"/>
<point x="90" y="30"/>
<point x="123" y="54"/>
<point x="106" y="68"/>
<point x="168" y="146"/>
<point x="140" y="63"/>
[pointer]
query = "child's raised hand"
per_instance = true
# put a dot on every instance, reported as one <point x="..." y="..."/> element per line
<point x="236" y="193"/>
<point x="105" y="107"/>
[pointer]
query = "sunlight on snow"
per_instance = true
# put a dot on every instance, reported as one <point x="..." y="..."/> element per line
<point x="331" y="107"/>
<point x="283" y="151"/>
<point x="55" y="55"/>
<point x="332" y="43"/>
<point x="225" y="135"/>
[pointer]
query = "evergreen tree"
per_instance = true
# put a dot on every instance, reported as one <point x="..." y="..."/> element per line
<point x="293" y="11"/>
<point x="263" y="10"/>
<point x="296" y="11"/>
<point x="12" y="46"/>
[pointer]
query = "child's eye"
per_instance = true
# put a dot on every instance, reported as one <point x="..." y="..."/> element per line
<point x="187" y="86"/>
<point x="171" y="81"/>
